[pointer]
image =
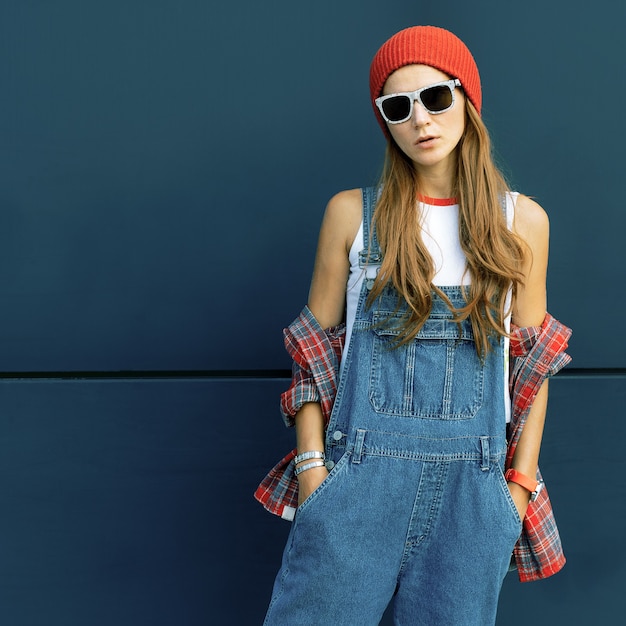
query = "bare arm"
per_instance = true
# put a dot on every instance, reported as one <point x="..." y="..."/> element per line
<point x="327" y="297"/>
<point x="529" y="309"/>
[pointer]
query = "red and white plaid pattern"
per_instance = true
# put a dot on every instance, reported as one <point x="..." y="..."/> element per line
<point x="536" y="353"/>
<point x="316" y="355"/>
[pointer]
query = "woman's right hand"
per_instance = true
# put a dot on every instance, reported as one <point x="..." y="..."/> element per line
<point x="309" y="481"/>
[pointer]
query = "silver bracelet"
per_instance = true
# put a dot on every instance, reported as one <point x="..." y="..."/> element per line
<point x="305" y="456"/>
<point x="308" y="466"/>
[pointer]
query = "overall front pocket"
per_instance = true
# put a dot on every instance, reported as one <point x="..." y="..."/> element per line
<point x="438" y="375"/>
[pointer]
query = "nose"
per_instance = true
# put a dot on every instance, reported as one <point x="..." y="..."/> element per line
<point x="420" y="116"/>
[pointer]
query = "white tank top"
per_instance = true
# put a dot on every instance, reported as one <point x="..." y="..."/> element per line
<point x="440" y="234"/>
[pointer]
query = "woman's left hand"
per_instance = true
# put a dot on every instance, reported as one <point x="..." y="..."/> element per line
<point x="521" y="498"/>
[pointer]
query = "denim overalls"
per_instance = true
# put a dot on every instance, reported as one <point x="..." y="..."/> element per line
<point x="416" y="507"/>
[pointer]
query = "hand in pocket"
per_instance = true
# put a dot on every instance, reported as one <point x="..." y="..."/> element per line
<point x="309" y="481"/>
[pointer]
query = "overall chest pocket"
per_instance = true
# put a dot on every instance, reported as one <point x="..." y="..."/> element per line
<point x="438" y="375"/>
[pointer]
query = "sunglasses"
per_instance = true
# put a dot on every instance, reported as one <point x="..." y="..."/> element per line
<point x="398" y="107"/>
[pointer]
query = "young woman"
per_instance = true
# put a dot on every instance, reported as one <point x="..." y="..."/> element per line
<point x="417" y="437"/>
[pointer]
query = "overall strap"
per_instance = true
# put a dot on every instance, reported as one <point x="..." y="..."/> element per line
<point x="506" y="202"/>
<point x="370" y="257"/>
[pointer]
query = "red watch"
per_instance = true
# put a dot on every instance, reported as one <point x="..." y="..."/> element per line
<point x="533" y="486"/>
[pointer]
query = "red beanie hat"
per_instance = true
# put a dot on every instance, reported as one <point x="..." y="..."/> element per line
<point x="425" y="45"/>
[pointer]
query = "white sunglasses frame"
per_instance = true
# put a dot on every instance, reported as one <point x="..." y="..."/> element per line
<point x="452" y="84"/>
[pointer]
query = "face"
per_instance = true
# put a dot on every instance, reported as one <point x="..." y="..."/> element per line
<point x="429" y="140"/>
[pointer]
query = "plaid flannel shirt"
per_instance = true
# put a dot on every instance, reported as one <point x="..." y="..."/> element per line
<point x="316" y="354"/>
<point x="536" y="353"/>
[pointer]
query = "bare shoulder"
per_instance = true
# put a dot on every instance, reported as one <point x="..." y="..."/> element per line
<point x="532" y="226"/>
<point x="332" y="264"/>
<point x="531" y="222"/>
<point x="347" y="197"/>
<point x="343" y="215"/>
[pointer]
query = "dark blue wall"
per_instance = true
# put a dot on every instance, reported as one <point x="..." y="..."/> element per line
<point x="164" y="167"/>
<point x="130" y="503"/>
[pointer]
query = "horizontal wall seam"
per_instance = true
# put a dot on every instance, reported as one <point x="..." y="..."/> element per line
<point x="146" y="375"/>
<point x="570" y="372"/>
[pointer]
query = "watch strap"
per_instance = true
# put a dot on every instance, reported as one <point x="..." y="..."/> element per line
<point x="513" y="476"/>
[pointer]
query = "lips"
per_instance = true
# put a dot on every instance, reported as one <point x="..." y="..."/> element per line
<point x="426" y="139"/>
<point x="427" y="142"/>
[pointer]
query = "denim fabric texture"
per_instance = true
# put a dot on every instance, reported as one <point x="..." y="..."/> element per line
<point x="415" y="508"/>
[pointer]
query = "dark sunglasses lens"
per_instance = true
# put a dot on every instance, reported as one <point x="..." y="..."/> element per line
<point x="397" y="108"/>
<point x="437" y="99"/>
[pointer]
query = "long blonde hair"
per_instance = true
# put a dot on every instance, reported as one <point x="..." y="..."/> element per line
<point x="494" y="254"/>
